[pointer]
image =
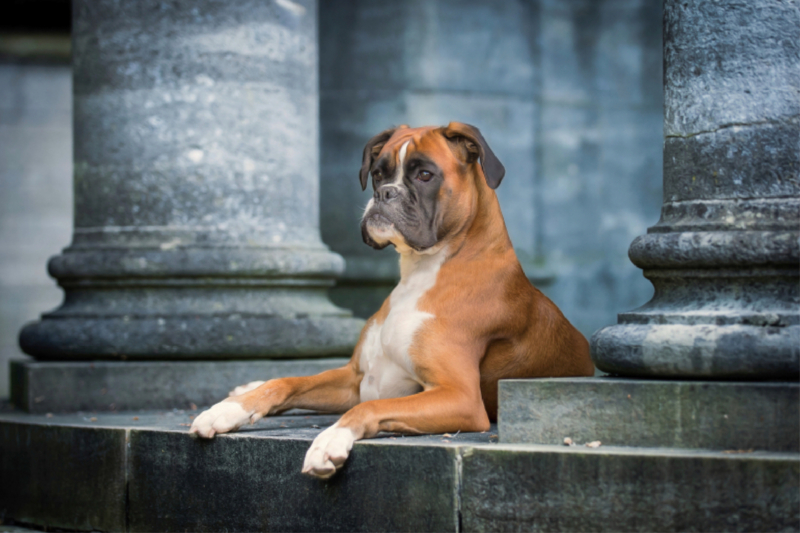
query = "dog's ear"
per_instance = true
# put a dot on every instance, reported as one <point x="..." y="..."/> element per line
<point x="477" y="148"/>
<point x="371" y="151"/>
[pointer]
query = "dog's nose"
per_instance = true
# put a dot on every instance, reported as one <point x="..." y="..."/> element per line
<point x="386" y="193"/>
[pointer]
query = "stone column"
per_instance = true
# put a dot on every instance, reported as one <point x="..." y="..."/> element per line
<point x="196" y="187"/>
<point x="724" y="256"/>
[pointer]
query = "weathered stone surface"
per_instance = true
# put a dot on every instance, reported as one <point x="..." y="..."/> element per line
<point x="761" y="416"/>
<point x="250" y="480"/>
<point x="747" y="161"/>
<point x="62" y="476"/>
<point x="55" y="387"/>
<point x="729" y="63"/>
<point x="196" y="188"/>
<point x="549" y="488"/>
<point x="245" y="481"/>
<point x="724" y="257"/>
<point x="254" y="484"/>
<point x="701" y="351"/>
<point x="191" y="337"/>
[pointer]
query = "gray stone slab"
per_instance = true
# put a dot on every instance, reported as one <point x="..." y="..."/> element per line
<point x="555" y="488"/>
<point x="53" y="387"/>
<point x="245" y="481"/>
<point x="250" y="480"/>
<point x="64" y="477"/>
<point x="650" y="413"/>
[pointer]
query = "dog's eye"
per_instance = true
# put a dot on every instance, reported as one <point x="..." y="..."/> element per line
<point x="424" y="175"/>
<point x="377" y="174"/>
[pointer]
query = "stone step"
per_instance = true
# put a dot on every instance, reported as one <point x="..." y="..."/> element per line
<point x="61" y="387"/>
<point x="651" y="413"/>
<point x="142" y="472"/>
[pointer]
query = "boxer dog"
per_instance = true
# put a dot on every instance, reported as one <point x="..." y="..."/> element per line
<point x="463" y="316"/>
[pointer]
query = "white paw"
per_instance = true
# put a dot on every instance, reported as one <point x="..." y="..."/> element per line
<point x="221" y="418"/>
<point x="241" y="389"/>
<point x="328" y="452"/>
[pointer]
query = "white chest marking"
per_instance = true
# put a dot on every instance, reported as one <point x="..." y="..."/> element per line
<point x="388" y="369"/>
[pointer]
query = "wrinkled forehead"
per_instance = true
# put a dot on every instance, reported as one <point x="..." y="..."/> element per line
<point x="427" y="139"/>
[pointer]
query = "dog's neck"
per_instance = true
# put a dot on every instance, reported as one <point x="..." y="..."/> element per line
<point x="485" y="233"/>
<point x="412" y="261"/>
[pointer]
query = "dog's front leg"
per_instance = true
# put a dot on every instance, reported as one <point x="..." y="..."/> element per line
<point x="437" y="410"/>
<point x="333" y="391"/>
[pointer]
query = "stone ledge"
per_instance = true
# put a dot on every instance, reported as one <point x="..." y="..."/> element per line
<point x="250" y="481"/>
<point x="550" y="488"/>
<point x="650" y="413"/>
<point x="56" y="387"/>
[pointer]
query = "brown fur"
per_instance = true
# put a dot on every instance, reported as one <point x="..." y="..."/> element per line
<point x="490" y="322"/>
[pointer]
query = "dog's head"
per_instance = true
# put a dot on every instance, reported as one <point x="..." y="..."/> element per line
<point x="426" y="183"/>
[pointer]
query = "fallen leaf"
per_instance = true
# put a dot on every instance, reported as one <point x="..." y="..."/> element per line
<point x="568" y="442"/>
<point x="184" y="424"/>
<point x="193" y="406"/>
<point x="593" y="444"/>
<point x="49" y="415"/>
<point x="751" y="450"/>
<point x="93" y="419"/>
<point x="191" y="417"/>
<point x="446" y="435"/>
<point x="136" y="418"/>
<point x="629" y="396"/>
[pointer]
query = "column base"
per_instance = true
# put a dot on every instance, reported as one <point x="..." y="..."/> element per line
<point x="56" y="387"/>
<point x="700" y="351"/>
<point x="193" y="337"/>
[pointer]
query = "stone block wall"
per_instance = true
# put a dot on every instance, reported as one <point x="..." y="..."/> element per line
<point x="569" y="96"/>
<point x="420" y="62"/>
<point x="600" y="155"/>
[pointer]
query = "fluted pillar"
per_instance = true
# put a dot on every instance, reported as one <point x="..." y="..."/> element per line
<point x="724" y="256"/>
<point x="196" y="187"/>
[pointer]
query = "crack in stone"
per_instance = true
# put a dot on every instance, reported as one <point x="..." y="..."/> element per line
<point x="459" y="466"/>
<point x="787" y="121"/>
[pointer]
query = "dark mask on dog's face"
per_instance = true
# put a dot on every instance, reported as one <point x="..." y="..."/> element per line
<point x="421" y="180"/>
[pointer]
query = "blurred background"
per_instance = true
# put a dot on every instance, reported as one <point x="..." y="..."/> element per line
<point x="568" y="93"/>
